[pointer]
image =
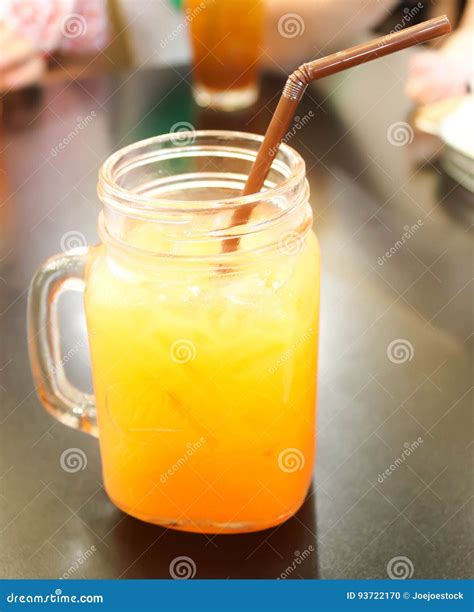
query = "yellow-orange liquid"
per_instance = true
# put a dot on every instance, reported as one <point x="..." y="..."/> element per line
<point x="205" y="385"/>
<point x="225" y="37"/>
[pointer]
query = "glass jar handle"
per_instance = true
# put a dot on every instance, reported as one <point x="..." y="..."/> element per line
<point x="65" y="402"/>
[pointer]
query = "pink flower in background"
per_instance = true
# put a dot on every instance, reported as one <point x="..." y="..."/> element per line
<point x="77" y="26"/>
<point x="89" y="33"/>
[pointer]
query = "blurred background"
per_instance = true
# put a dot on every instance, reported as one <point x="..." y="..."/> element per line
<point x="389" y="155"/>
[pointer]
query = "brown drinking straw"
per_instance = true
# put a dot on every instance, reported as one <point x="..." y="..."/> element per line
<point x="296" y="85"/>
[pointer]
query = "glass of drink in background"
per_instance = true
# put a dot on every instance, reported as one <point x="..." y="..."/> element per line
<point x="225" y="39"/>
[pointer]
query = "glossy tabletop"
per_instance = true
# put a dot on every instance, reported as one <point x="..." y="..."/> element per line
<point x="393" y="476"/>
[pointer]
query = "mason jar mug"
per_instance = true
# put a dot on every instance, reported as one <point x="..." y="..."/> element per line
<point x="203" y="354"/>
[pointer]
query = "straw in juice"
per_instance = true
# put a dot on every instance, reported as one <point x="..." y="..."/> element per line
<point x="296" y="86"/>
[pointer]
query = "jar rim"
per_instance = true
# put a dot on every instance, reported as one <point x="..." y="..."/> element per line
<point x="116" y="196"/>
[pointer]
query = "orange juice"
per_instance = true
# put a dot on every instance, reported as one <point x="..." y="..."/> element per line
<point x="205" y="384"/>
<point x="225" y="38"/>
<point x="203" y="354"/>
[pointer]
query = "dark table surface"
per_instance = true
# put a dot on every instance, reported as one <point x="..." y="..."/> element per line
<point x="395" y="339"/>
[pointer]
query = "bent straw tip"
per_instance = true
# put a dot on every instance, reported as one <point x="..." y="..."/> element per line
<point x="443" y="23"/>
